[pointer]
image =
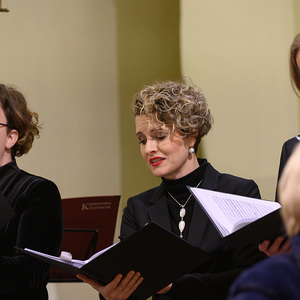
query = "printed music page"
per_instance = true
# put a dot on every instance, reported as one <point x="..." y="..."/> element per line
<point x="231" y="212"/>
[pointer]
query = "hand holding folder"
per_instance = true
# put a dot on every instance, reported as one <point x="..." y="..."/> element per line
<point x="245" y="219"/>
<point x="159" y="255"/>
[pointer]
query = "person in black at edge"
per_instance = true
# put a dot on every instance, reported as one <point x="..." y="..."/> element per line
<point x="37" y="222"/>
<point x="294" y="66"/>
<point x="281" y="244"/>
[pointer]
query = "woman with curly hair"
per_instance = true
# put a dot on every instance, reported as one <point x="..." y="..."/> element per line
<point x="171" y="118"/>
<point x="37" y="221"/>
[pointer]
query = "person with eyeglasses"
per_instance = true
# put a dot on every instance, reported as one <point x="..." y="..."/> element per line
<point x="171" y="119"/>
<point x="37" y="221"/>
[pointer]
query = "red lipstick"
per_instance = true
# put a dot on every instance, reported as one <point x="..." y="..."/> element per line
<point x="155" y="161"/>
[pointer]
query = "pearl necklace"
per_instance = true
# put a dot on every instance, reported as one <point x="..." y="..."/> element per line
<point x="182" y="211"/>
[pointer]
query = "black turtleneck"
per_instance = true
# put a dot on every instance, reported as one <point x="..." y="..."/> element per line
<point x="178" y="189"/>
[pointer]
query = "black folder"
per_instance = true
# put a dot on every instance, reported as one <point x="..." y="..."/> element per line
<point x="159" y="255"/>
<point x="268" y="227"/>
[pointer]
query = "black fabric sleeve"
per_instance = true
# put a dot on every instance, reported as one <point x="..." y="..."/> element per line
<point x="40" y="227"/>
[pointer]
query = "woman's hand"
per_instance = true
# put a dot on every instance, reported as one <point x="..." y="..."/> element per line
<point x="119" y="288"/>
<point x="165" y="290"/>
<point x="276" y="247"/>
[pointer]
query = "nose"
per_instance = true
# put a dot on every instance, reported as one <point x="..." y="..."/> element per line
<point x="151" y="146"/>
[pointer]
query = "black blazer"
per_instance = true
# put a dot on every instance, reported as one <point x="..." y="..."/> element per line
<point x="286" y="151"/>
<point x="212" y="280"/>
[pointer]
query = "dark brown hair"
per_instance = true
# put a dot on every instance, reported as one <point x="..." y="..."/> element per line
<point x="20" y="118"/>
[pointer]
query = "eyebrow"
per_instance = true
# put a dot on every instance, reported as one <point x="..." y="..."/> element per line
<point x="152" y="130"/>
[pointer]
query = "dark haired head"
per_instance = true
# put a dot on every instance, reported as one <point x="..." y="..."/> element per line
<point x="20" y="118"/>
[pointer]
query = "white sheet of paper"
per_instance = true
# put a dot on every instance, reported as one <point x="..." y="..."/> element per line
<point x="229" y="212"/>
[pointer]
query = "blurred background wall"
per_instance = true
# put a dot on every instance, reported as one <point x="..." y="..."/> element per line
<point x="79" y="63"/>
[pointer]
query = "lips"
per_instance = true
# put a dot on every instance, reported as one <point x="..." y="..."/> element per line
<point x="155" y="161"/>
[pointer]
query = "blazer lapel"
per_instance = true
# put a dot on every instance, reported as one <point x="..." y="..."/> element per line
<point x="198" y="225"/>
<point x="200" y="220"/>
<point x="159" y="212"/>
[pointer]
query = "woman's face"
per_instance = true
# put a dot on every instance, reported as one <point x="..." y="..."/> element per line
<point x="165" y="154"/>
<point x="7" y="140"/>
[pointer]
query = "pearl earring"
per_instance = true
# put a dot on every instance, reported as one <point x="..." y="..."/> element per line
<point x="191" y="150"/>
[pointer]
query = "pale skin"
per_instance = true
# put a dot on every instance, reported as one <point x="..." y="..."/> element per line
<point x="119" y="288"/>
<point x="275" y="248"/>
<point x="7" y="140"/>
<point x="165" y="153"/>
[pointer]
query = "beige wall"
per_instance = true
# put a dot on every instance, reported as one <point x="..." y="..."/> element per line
<point x="148" y="48"/>
<point x="65" y="63"/>
<point x="63" y="56"/>
<point x="297" y="15"/>
<point x="237" y="52"/>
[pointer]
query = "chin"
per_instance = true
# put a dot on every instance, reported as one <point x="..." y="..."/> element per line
<point x="157" y="173"/>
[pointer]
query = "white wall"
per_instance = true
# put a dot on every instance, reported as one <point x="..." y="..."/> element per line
<point x="237" y="52"/>
<point x="62" y="54"/>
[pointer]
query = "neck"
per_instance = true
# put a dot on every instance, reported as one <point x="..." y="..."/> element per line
<point x="192" y="165"/>
<point x="5" y="159"/>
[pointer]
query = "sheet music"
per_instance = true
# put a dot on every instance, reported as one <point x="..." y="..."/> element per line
<point x="229" y="211"/>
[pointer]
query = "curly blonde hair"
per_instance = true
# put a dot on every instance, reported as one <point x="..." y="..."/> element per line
<point x="179" y="105"/>
<point x="20" y="118"/>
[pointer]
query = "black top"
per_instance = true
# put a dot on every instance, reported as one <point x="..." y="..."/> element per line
<point x="211" y="280"/>
<point x="37" y="224"/>
<point x="287" y="149"/>
<point x="179" y="188"/>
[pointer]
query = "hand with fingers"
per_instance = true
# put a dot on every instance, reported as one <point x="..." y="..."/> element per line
<point x="165" y="290"/>
<point x="279" y="246"/>
<point x="120" y="288"/>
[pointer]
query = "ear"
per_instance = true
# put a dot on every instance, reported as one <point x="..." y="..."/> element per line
<point x="11" y="139"/>
<point x="191" y="142"/>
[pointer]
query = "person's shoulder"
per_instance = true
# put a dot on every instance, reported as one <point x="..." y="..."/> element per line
<point x="144" y="196"/>
<point x="292" y="141"/>
<point x="267" y="275"/>
<point x="226" y="176"/>
<point x="233" y="184"/>
<point x="35" y="178"/>
<point x="36" y="183"/>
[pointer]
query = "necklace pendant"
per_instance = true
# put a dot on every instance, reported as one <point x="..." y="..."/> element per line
<point x="182" y="212"/>
<point x="181" y="226"/>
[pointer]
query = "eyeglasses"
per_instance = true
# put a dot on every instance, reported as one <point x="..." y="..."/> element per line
<point x="2" y="124"/>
